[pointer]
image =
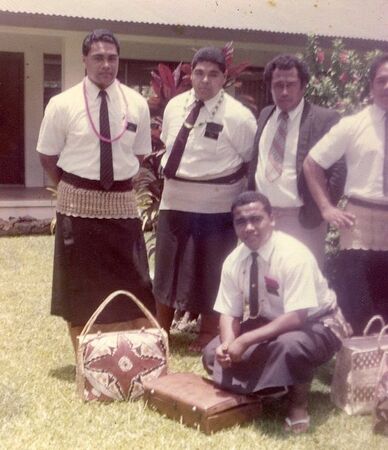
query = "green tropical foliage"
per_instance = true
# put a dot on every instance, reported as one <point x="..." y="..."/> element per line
<point x="148" y="187"/>
<point x="339" y="76"/>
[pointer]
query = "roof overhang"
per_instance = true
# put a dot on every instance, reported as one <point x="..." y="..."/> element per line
<point x="361" y="24"/>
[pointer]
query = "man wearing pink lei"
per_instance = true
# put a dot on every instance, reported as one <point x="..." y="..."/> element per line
<point x="91" y="141"/>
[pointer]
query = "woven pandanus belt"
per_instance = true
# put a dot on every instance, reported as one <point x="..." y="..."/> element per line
<point x="78" y="202"/>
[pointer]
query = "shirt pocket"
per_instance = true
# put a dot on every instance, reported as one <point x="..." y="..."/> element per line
<point x="128" y="138"/>
<point x="208" y="147"/>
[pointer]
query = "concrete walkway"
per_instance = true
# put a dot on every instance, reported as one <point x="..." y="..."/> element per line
<point x="20" y="201"/>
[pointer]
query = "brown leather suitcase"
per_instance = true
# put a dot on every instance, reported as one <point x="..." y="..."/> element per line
<point x="198" y="403"/>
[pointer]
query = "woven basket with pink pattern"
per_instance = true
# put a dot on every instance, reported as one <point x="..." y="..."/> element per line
<point x="114" y="365"/>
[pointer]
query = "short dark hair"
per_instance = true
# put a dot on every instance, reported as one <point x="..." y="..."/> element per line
<point x="377" y="62"/>
<point x="251" y="197"/>
<point x="287" y="62"/>
<point x="98" y="36"/>
<point x="210" y="54"/>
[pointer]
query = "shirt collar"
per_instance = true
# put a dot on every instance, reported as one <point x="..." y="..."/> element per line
<point x="93" y="90"/>
<point x="293" y="113"/>
<point x="209" y="104"/>
<point x="265" y="251"/>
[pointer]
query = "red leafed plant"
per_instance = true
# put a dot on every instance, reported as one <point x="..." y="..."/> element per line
<point x="233" y="71"/>
<point x="167" y="83"/>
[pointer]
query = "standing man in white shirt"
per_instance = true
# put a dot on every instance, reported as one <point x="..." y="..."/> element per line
<point x="279" y="320"/>
<point x="91" y="141"/>
<point x="208" y="136"/>
<point x="286" y="131"/>
<point x="362" y="285"/>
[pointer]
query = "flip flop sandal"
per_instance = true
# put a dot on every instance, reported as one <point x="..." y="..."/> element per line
<point x="292" y="423"/>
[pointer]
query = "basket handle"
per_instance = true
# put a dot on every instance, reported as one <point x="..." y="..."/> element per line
<point x="110" y="298"/>
<point x="381" y="334"/>
<point x="371" y="321"/>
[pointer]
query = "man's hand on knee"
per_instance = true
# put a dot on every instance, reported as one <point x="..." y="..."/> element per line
<point x="222" y="355"/>
<point x="237" y="348"/>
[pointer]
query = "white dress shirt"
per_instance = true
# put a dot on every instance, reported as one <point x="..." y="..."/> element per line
<point x="289" y="280"/>
<point x="360" y="138"/>
<point x="207" y="157"/>
<point x="282" y="192"/>
<point x="66" y="130"/>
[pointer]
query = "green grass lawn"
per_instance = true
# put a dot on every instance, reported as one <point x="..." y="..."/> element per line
<point x="39" y="408"/>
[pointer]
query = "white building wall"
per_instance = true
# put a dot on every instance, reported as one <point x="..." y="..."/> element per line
<point x="33" y="47"/>
<point x="34" y="43"/>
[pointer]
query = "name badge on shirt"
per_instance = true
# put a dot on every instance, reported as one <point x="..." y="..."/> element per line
<point x="213" y="130"/>
<point x="131" y="127"/>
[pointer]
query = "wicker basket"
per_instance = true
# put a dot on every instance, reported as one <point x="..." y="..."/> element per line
<point x="356" y="370"/>
<point x="114" y="365"/>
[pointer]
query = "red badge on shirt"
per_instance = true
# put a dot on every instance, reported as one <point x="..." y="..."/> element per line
<point x="272" y="286"/>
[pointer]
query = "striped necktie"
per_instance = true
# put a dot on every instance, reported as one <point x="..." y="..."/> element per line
<point x="106" y="162"/>
<point x="274" y="166"/>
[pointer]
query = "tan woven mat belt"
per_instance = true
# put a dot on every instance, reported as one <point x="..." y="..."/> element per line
<point x="370" y="230"/>
<point x="79" y="202"/>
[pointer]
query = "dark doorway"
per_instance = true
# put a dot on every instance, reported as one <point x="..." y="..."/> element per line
<point x="11" y="118"/>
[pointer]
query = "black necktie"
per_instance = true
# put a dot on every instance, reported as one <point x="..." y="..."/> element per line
<point x="106" y="163"/>
<point x="385" y="169"/>
<point x="181" y="140"/>
<point x="253" y="287"/>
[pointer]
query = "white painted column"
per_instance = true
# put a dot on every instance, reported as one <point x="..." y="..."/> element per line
<point x="33" y="113"/>
<point x="72" y="65"/>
